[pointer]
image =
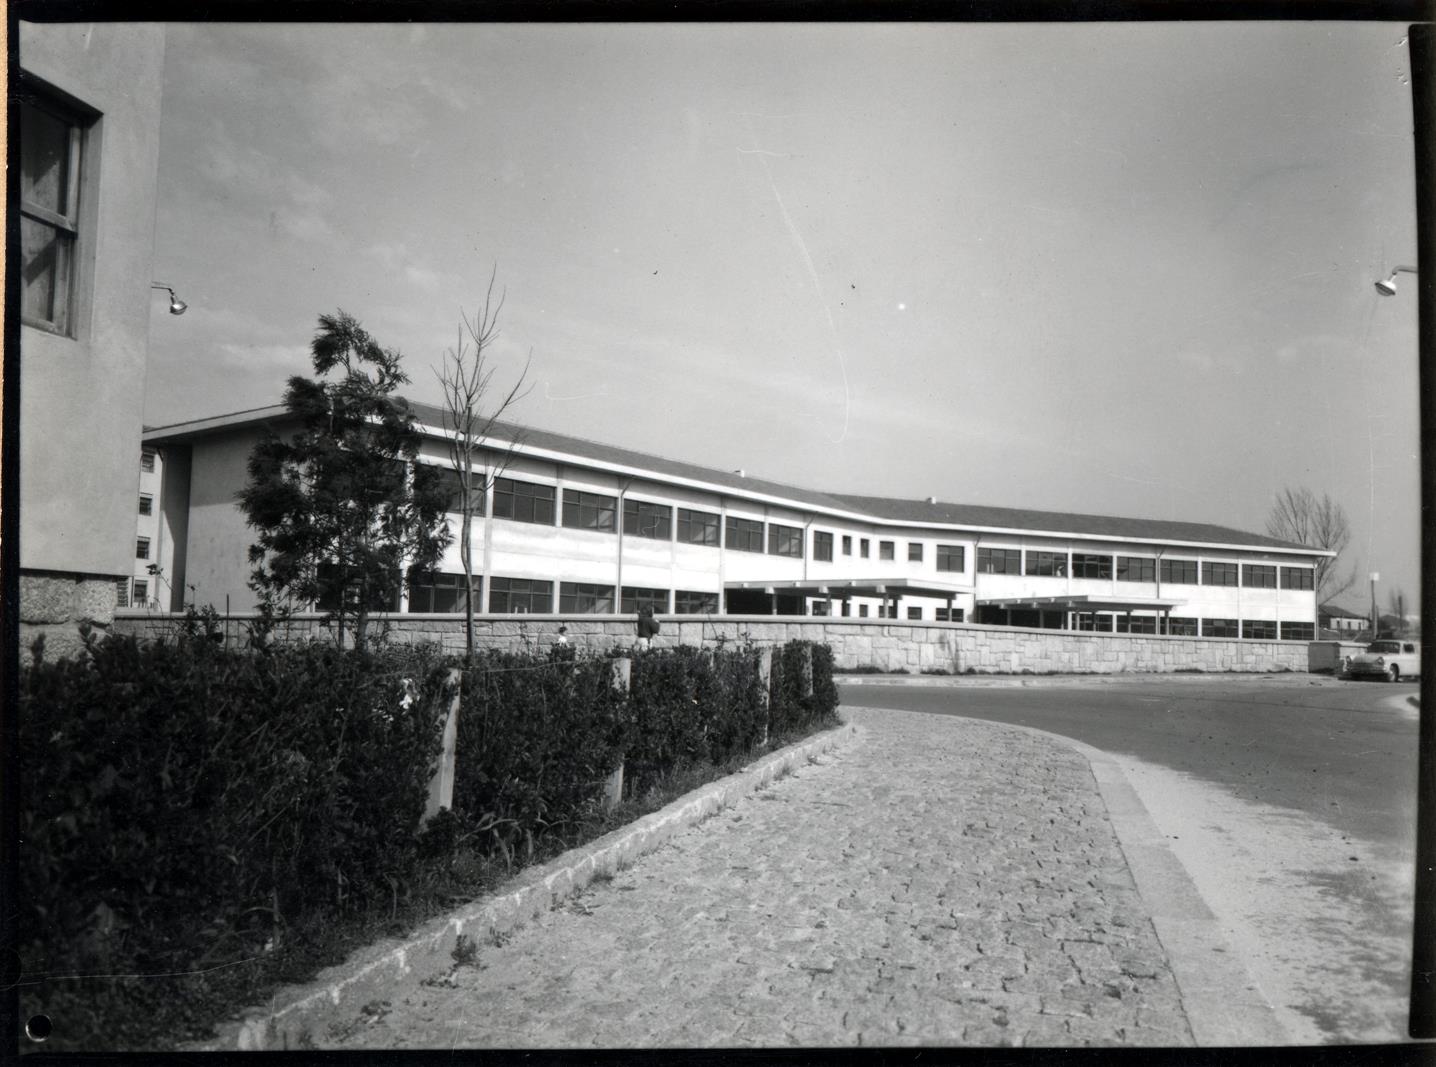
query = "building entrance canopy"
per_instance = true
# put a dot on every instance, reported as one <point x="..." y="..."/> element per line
<point x="840" y="590"/>
<point x="1081" y="602"/>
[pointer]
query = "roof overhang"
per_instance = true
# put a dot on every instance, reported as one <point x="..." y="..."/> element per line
<point x="1082" y="602"/>
<point x="840" y="588"/>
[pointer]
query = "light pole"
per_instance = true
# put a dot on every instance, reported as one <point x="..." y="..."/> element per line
<point x="1374" y="576"/>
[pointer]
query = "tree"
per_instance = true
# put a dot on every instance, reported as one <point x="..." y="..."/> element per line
<point x="342" y="508"/>
<point x="466" y="377"/>
<point x="1299" y="515"/>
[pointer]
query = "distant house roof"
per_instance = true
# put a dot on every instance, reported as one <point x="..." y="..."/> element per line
<point x="1336" y="611"/>
<point x="881" y="509"/>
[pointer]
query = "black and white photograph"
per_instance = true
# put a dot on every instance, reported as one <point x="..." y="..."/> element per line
<point x="739" y="535"/>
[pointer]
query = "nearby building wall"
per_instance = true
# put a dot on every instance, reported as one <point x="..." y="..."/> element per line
<point x="953" y="648"/>
<point x="82" y="396"/>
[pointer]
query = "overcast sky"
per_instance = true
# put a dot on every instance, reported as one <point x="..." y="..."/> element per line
<point x="1112" y="268"/>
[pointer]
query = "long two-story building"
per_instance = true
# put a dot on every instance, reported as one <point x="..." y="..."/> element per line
<point x="577" y="527"/>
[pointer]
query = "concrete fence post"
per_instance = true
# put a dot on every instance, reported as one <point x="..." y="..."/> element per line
<point x="765" y="674"/>
<point x="441" y="785"/>
<point x="805" y="670"/>
<point x="621" y="679"/>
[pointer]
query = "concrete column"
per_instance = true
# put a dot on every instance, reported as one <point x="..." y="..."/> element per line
<point x="765" y="676"/>
<point x="621" y="678"/>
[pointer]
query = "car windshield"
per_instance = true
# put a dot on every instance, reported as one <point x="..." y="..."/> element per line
<point x="1384" y="646"/>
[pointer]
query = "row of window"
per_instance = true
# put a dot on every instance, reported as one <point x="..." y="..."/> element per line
<point x="443" y="593"/>
<point x="1141" y="569"/>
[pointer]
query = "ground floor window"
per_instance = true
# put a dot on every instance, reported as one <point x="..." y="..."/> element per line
<point x="331" y="581"/>
<point x="511" y="596"/>
<point x="1298" y="631"/>
<point x="441" y="592"/>
<point x="1094" y="621"/>
<point x="821" y="607"/>
<point x="914" y="613"/>
<point x="578" y="598"/>
<point x="1179" y="626"/>
<point x="950" y="614"/>
<point x="1136" y="624"/>
<point x="122" y="593"/>
<point x="635" y="599"/>
<point x="686" y="602"/>
<point x="1219" y="628"/>
<point x="1259" y="629"/>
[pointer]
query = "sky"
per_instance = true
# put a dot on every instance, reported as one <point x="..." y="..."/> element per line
<point x="1113" y="268"/>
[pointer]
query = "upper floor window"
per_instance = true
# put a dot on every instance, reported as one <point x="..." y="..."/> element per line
<point x="1179" y="572"/>
<point x="822" y="546"/>
<point x="847" y="544"/>
<point x="51" y="155"/>
<point x="523" y="501"/>
<point x="951" y="558"/>
<point x="147" y="504"/>
<point x="745" y="535"/>
<point x="1257" y="576"/>
<point x="697" y="527"/>
<point x="642" y="519"/>
<point x="914" y="551"/>
<point x="142" y="548"/>
<point x="999" y="561"/>
<point x="863" y="548"/>
<point x="1296" y="578"/>
<point x="1086" y="565"/>
<point x="1218" y="574"/>
<point x="785" y="541"/>
<point x="1047" y="564"/>
<point x="1136" y="569"/>
<point x="589" y="511"/>
<point x="885" y="550"/>
<point x="147" y="460"/>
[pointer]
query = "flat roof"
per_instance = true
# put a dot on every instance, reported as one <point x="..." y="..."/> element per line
<point x="1082" y="602"/>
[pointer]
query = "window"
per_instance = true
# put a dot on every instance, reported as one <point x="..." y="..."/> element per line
<point x="578" y="598"/>
<point x="885" y="550"/>
<point x="1179" y="571"/>
<point x="635" y="598"/>
<point x="946" y="615"/>
<point x="697" y="527"/>
<point x="1182" y="627"/>
<point x="147" y="460"/>
<point x="142" y="593"/>
<point x="1047" y="564"/>
<point x="122" y="593"/>
<point x="847" y="545"/>
<point x="1098" y="622"/>
<point x="1136" y="624"/>
<point x="1136" y="569"/>
<point x="951" y="558"/>
<point x="1085" y="565"/>
<point x="914" y="613"/>
<point x="51" y="155"/>
<point x="822" y="546"/>
<point x="745" y="535"/>
<point x="863" y="548"/>
<point x="523" y="501"/>
<point x="589" y="511"/>
<point x="862" y="611"/>
<point x="1297" y="578"/>
<point x="441" y="592"/>
<point x="449" y="479"/>
<point x="142" y="548"/>
<point x="914" y="551"/>
<point x="1256" y="576"/>
<point x="785" y="541"/>
<point x="511" y="596"/>
<point x="147" y="504"/>
<point x="999" y="561"/>
<point x="687" y="602"/>
<point x="1259" y="629"/>
<point x="642" y="519"/>
<point x="1298" y="631"/>
<point x="382" y="596"/>
<point x="1219" y="573"/>
<point x="1219" y="628"/>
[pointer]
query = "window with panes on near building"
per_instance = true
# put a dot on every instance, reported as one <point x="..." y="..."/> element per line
<point x="52" y="155"/>
<point x="822" y="546"/>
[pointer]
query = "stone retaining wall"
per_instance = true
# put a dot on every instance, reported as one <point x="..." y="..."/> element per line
<point x="885" y="644"/>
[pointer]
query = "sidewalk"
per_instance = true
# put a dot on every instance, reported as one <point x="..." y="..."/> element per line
<point x="930" y="881"/>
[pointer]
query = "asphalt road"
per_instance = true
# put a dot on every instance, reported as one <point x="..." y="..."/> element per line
<point x="1289" y="800"/>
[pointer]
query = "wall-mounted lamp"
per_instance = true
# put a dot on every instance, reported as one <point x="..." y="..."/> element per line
<point x="177" y="306"/>
<point x="1387" y="286"/>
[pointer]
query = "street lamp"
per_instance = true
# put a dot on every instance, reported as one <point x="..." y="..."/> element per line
<point x="1374" y="576"/>
<point x="1387" y="285"/>
<point x="177" y="306"/>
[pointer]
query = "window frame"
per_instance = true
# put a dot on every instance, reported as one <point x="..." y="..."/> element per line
<point x="142" y="548"/>
<point x="424" y="590"/>
<point x="147" y="504"/>
<point x="1230" y="628"/>
<point x="585" y="598"/>
<point x="1307" y="631"/>
<point x="1147" y="566"/>
<point x="640" y="512"/>
<point x="632" y="598"/>
<point x="139" y="592"/>
<point x="1307" y="581"/>
<point x="584" y="509"/>
<point x="945" y="555"/>
<point x="533" y="587"/>
<point x="914" y="551"/>
<point x="1092" y="566"/>
<point x="1268" y="629"/>
<point x="887" y="551"/>
<point x="988" y="556"/>
<point x="708" y="523"/>
<point x="685" y="601"/>
<point x="1223" y="568"/>
<point x="1166" y="568"/>
<point x="1037" y="559"/>
<point x="148" y="456"/>
<point x="1181" y="626"/>
<point x="847" y="544"/>
<point x="539" y="497"/>
<point x="822" y="546"/>
<point x="1259" y="576"/>
<point x="742" y="534"/>
<point x="786" y="541"/>
<point x="68" y="226"/>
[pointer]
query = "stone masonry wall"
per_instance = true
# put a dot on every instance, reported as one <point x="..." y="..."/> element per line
<point x="54" y="605"/>
<point x="885" y="644"/>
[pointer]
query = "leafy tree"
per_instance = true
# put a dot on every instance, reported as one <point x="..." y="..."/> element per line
<point x="342" y="508"/>
<point x="466" y="377"/>
<point x="1299" y="515"/>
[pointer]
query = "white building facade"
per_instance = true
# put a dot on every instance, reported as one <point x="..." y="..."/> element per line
<point x="574" y="527"/>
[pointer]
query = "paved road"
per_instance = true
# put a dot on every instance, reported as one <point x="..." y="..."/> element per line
<point x="936" y="881"/>
<point x="1289" y="800"/>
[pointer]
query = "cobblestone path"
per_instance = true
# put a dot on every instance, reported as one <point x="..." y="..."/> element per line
<point x="936" y="881"/>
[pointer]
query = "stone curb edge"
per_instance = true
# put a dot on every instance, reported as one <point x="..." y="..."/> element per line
<point x="1006" y="681"/>
<point x="339" y="992"/>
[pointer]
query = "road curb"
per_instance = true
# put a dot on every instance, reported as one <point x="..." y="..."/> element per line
<point x="296" y="1014"/>
<point x="1037" y="681"/>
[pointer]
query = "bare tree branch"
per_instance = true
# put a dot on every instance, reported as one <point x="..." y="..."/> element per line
<point x="1318" y="522"/>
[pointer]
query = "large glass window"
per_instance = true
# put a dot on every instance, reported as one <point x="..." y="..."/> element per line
<point x="785" y="541"/>
<point x="885" y="550"/>
<point x="952" y="558"/>
<point x="1257" y="576"/>
<point x="1087" y="565"/>
<point x="589" y="511"/>
<point x="579" y="598"/>
<point x="1298" y="631"/>
<point x="1136" y="569"/>
<point x="1179" y="571"/>
<point x="441" y="592"/>
<point x="380" y="598"/>
<point x="822" y="546"/>
<point x="1047" y="564"/>
<point x="914" y="551"/>
<point x="51" y="155"/>
<point x="1259" y="629"/>
<point x="1219" y="574"/>
<point x="999" y="561"/>
<point x="1297" y="578"/>
<point x="636" y="598"/>
<point x="744" y="535"/>
<point x="1219" y="628"/>
<point x="688" y="602"/>
<point x="642" y="519"/>
<point x="523" y="501"/>
<point x="1182" y="627"/>
<point x="518" y="596"/>
<point x="1136" y="624"/>
<point x="949" y="614"/>
<point x="697" y="527"/>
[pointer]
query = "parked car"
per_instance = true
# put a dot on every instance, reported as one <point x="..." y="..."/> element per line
<point x="1388" y="658"/>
